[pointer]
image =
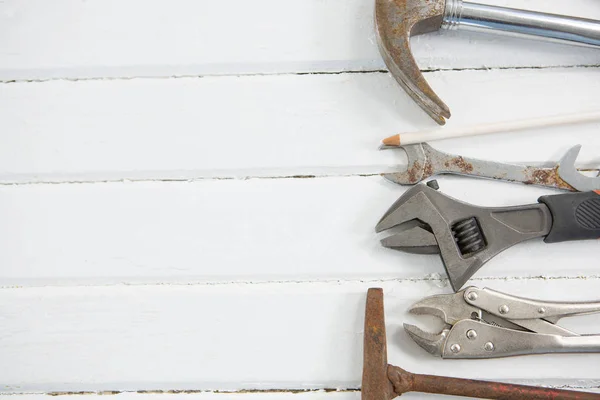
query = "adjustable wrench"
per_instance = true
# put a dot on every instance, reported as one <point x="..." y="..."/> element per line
<point x="467" y="236"/>
<point x="424" y="161"/>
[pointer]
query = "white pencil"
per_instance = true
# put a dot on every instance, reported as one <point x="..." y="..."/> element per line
<point x="447" y="133"/>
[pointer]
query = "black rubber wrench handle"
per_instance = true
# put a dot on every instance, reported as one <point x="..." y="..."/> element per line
<point x="575" y="216"/>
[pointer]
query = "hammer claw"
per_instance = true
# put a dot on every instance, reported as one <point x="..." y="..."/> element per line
<point x="396" y="21"/>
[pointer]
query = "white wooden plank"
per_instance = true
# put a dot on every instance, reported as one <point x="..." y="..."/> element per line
<point x="312" y="395"/>
<point x="117" y="38"/>
<point x="275" y="395"/>
<point x="240" y="230"/>
<point x="273" y="125"/>
<point x="231" y="337"/>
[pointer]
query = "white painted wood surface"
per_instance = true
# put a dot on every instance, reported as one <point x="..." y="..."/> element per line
<point x="184" y="232"/>
<point x="125" y="38"/>
<point x="274" y="125"/>
<point x="210" y="228"/>
<point x="192" y="395"/>
<point x="255" y="336"/>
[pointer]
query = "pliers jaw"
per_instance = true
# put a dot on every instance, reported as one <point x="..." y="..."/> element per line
<point x="433" y="343"/>
<point x="450" y="308"/>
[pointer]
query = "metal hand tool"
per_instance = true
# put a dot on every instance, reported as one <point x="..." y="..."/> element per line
<point x="483" y="323"/>
<point x="381" y="381"/>
<point x="398" y="20"/>
<point x="424" y="161"/>
<point x="467" y="236"/>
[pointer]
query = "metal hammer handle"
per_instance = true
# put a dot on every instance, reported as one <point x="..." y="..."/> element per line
<point x="480" y="17"/>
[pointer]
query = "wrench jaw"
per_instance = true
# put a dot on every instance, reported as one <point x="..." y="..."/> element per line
<point x="417" y="240"/>
<point x="402" y="178"/>
<point x="571" y="176"/>
<point x="416" y="166"/>
<point x="405" y="209"/>
<point x="435" y="212"/>
<point x="460" y="270"/>
<point x="465" y="236"/>
<point x="424" y="204"/>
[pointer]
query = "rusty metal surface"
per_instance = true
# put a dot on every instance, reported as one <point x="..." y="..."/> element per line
<point x="382" y="381"/>
<point x="545" y="177"/>
<point x="375" y="382"/>
<point x="424" y="161"/>
<point x="404" y="382"/>
<point x="396" y="21"/>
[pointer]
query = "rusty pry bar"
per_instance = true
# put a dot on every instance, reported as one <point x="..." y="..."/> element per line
<point x="382" y="381"/>
<point x="397" y="20"/>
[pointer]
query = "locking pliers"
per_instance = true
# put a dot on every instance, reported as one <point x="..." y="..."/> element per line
<point x="483" y="323"/>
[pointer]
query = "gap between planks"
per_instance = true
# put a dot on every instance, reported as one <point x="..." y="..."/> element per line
<point x="191" y="177"/>
<point x="195" y="337"/>
<point x="201" y="391"/>
<point x="434" y="278"/>
<point x="176" y="128"/>
<point x="300" y="73"/>
<point x="591" y="387"/>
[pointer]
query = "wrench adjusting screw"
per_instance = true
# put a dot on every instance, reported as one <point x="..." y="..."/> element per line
<point x="468" y="236"/>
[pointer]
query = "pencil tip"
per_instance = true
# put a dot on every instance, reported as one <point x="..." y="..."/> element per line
<point x="391" y="141"/>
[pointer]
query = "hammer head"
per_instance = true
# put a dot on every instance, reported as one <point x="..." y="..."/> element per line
<point x="396" y="21"/>
<point x="375" y="382"/>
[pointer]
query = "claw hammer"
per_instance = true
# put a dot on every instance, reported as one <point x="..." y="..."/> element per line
<point x="398" y="20"/>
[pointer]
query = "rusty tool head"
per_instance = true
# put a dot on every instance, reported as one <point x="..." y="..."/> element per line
<point x="396" y="21"/>
<point x="375" y="382"/>
<point x="380" y="381"/>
